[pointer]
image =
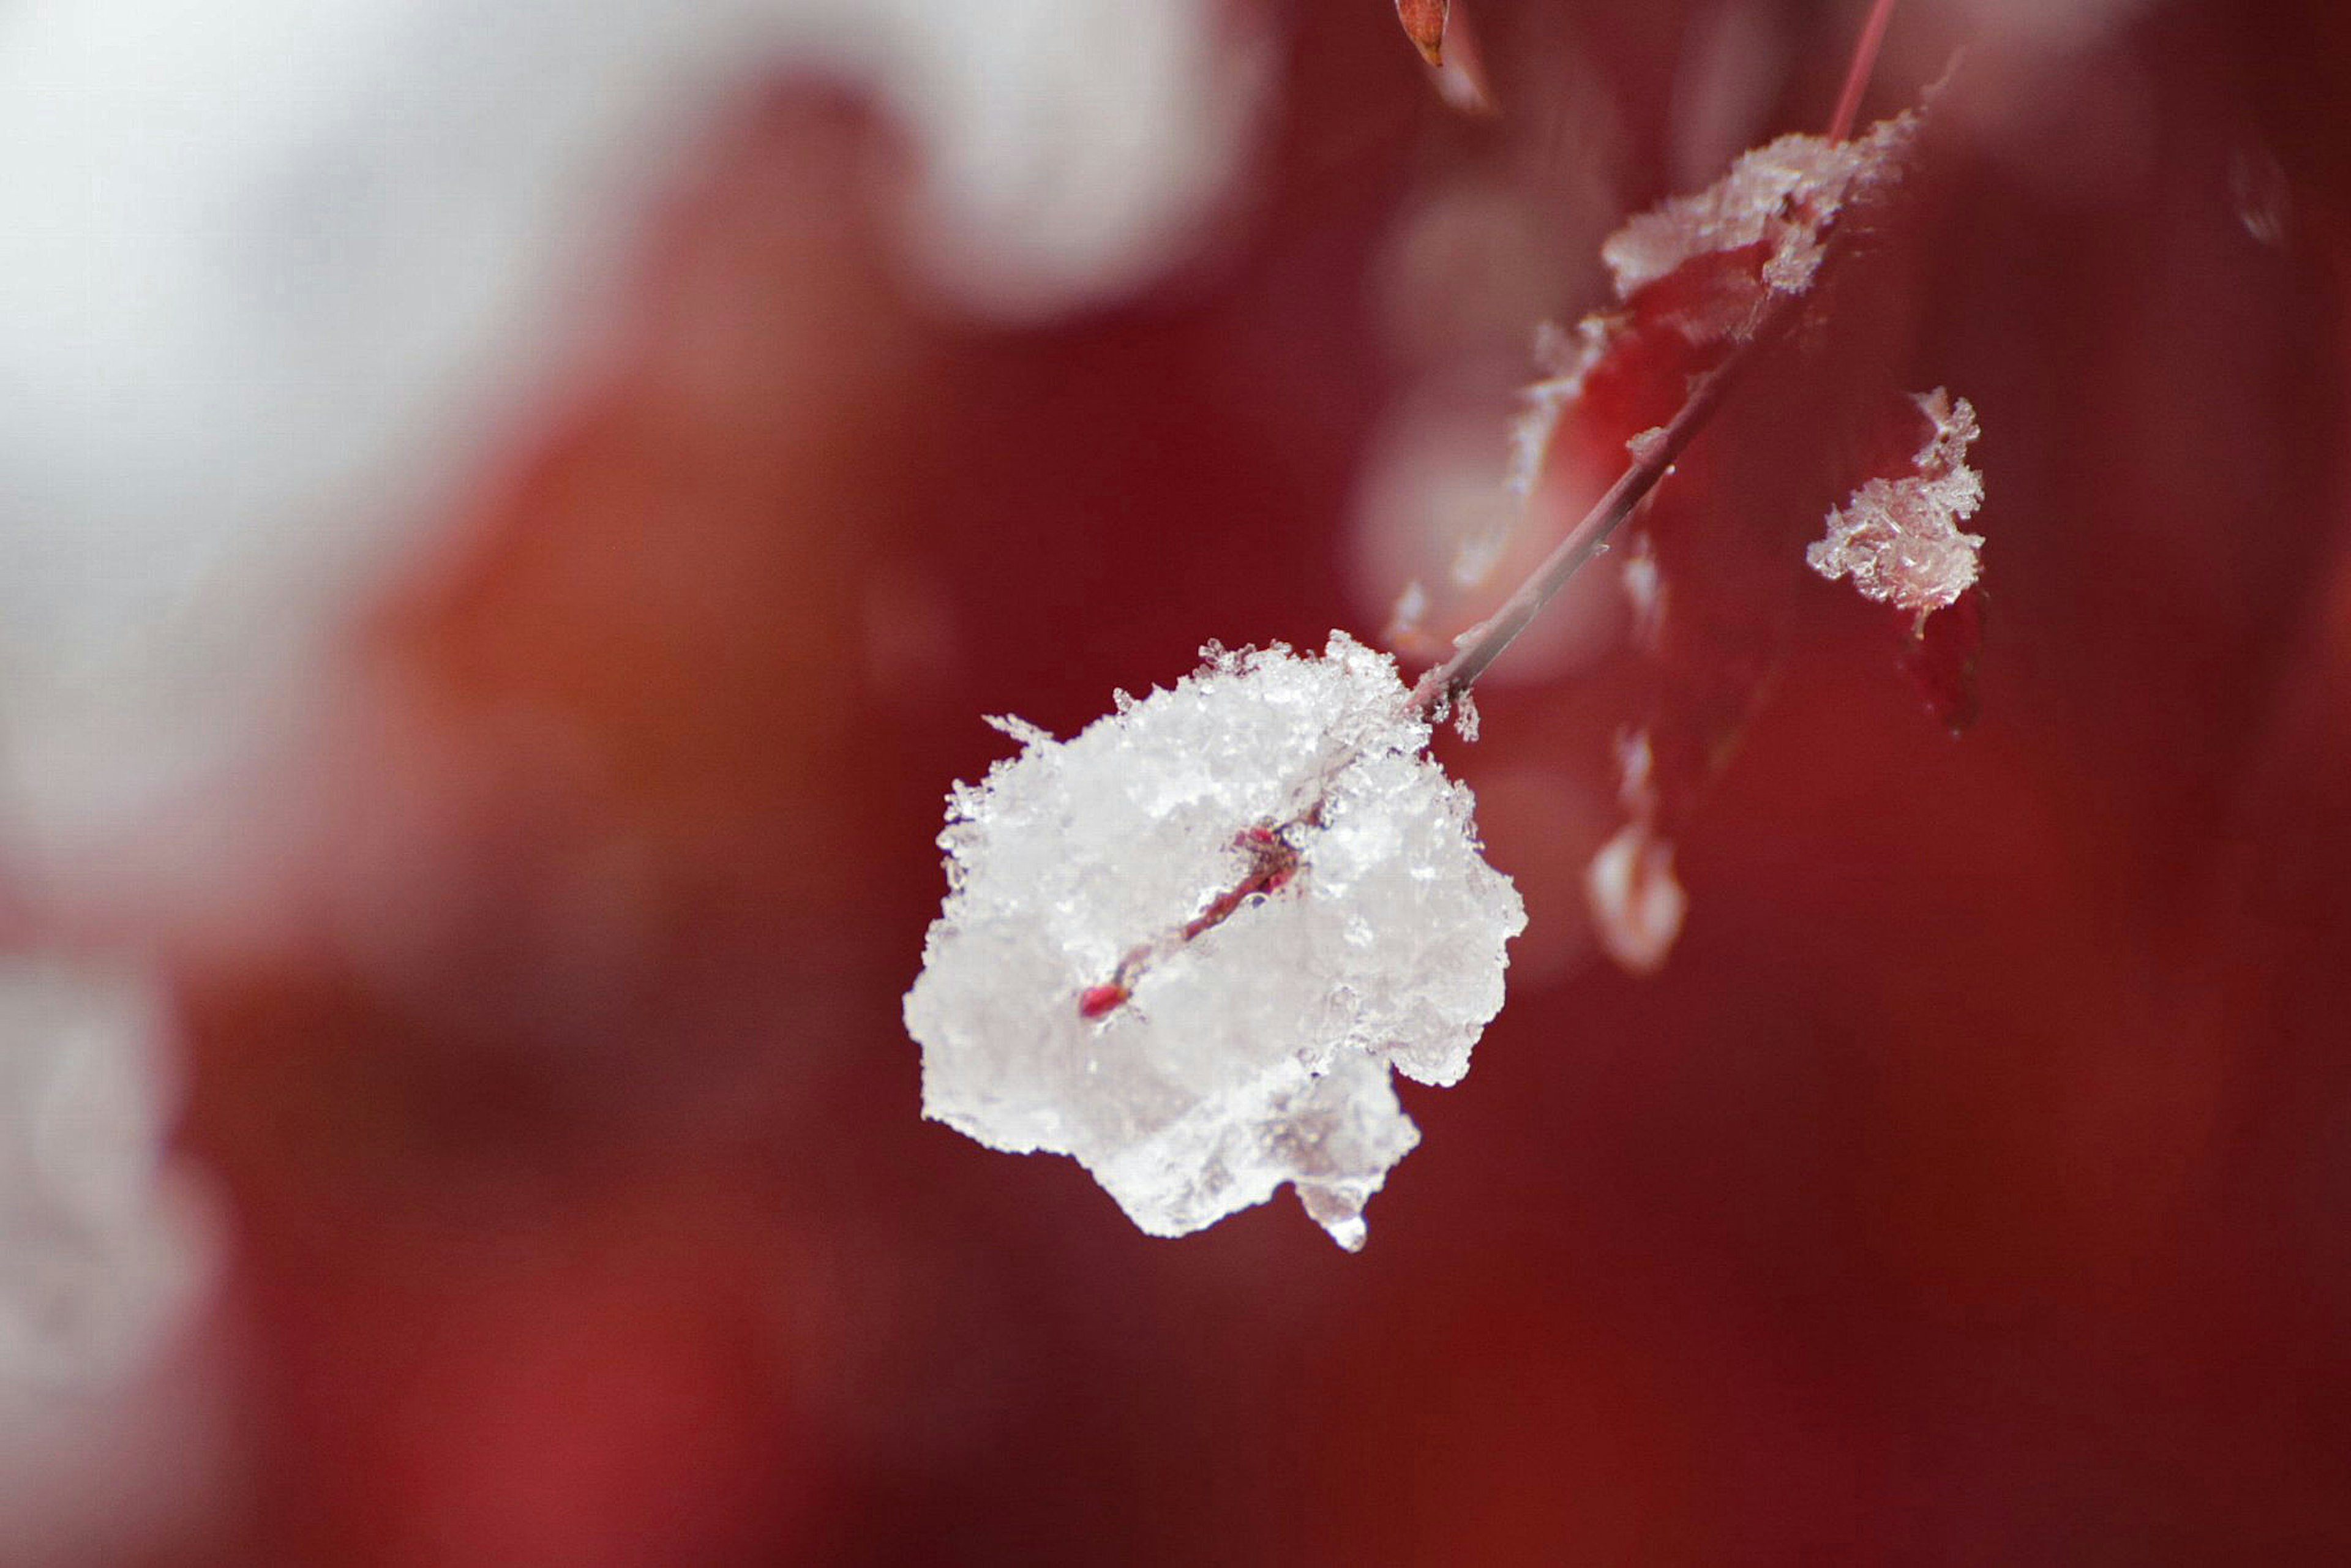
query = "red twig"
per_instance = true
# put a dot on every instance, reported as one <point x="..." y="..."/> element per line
<point x="1273" y="860"/>
<point x="1856" y="75"/>
<point x="1449" y="680"/>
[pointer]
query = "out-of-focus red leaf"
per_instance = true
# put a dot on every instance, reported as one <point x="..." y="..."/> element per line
<point x="1718" y="547"/>
<point x="1939" y="657"/>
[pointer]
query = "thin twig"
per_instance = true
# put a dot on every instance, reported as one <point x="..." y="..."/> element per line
<point x="1449" y="680"/>
<point x="1857" y="74"/>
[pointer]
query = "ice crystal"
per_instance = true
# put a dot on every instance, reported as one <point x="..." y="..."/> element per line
<point x="1566" y="360"/>
<point x="1898" y="540"/>
<point x="1784" y="195"/>
<point x="1465" y="715"/>
<point x="1643" y="446"/>
<point x="1186" y="945"/>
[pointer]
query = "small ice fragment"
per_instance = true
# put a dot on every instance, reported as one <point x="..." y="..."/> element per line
<point x="1465" y="715"/>
<point x="1565" y="360"/>
<point x="1250" y="1040"/>
<point x="1900" y="539"/>
<point x="1637" y="905"/>
<point x="1019" y="729"/>
<point x="1645" y="589"/>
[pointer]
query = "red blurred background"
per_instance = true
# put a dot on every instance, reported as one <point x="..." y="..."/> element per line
<point x="1972" y="1186"/>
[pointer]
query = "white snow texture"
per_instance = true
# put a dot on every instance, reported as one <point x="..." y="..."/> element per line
<point x="1786" y="194"/>
<point x="1254" y="1050"/>
<point x="1900" y="539"/>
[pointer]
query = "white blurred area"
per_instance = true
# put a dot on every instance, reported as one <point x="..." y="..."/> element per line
<point x="106" y="1251"/>
<point x="95" y="1252"/>
<point x="277" y="278"/>
<point x="280" y="274"/>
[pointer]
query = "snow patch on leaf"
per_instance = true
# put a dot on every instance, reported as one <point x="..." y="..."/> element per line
<point x="1186" y="945"/>
<point x="1645" y="590"/>
<point x="1900" y="539"/>
<point x="1565" y="359"/>
<point x="1784" y="195"/>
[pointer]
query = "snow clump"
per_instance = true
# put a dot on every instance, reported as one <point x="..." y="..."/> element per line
<point x="1785" y="196"/>
<point x="1900" y="539"/>
<point x="1186" y="945"/>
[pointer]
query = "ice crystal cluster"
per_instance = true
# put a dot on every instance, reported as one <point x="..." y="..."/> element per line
<point x="1094" y="987"/>
<point x="1900" y="539"/>
<point x="1783" y="195"/>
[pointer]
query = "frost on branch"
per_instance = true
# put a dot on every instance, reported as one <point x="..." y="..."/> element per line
<point x="1186" y="945"/>
<point x="1565" y="361"/>
<point x="1898" y="540"/>
<point x="1785" y="196"/>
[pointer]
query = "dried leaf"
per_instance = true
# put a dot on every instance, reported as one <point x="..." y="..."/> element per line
<point x="1424" y="24"/>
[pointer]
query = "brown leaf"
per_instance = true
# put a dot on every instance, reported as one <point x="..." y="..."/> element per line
<point x="1424" y="24"/>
